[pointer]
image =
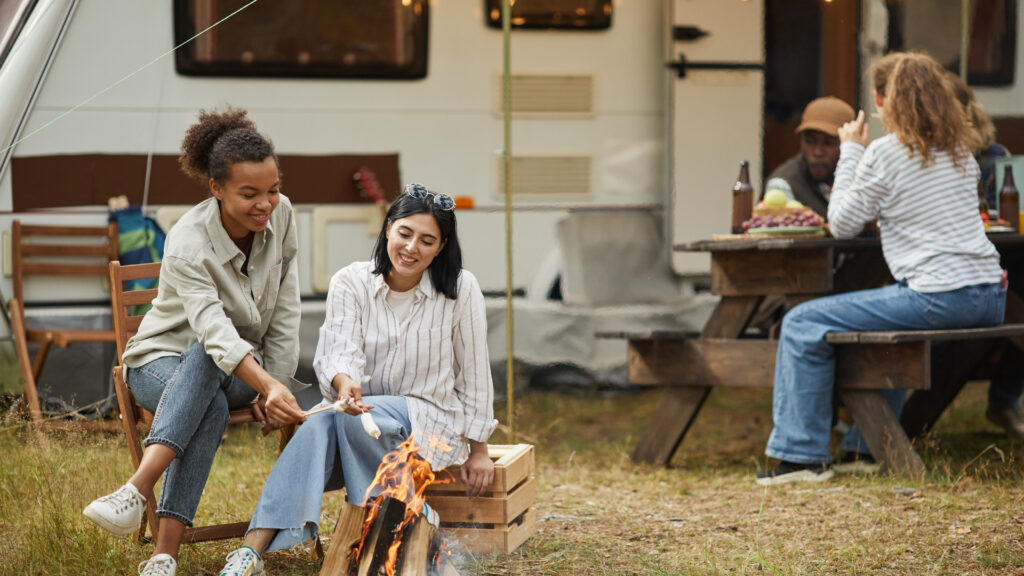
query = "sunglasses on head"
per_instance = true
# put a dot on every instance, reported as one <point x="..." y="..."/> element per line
<point x="419" y="191"/>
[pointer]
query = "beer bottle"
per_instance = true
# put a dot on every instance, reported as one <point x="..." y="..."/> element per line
<point x="742" y="199"/>
<point x="1009" y="200"/>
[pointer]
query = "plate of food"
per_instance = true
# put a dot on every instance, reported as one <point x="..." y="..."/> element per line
<point x="787" y="230"/>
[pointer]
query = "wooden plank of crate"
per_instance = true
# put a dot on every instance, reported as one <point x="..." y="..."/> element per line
<point x="484" y="509"/>
<point x="513" y="464"/>
<point x="503" y="539"/>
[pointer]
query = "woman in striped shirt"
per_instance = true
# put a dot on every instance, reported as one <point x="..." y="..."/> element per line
<point x="919" y="182"/>
<point x="405" y="339"/>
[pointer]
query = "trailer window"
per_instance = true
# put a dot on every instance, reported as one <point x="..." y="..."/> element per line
<point x="935" y="27"/>
<point x="303" y="38"/>
<point x="559" y="14"/>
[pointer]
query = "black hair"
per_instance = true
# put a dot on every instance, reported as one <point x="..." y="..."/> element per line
<point x="447" y="265"/>
<point x="219" y="140"/>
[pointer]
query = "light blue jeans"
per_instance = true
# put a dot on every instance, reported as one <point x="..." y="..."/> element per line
<point x="190" y="398"/>
<point x="805" y="364"/>
<point x="329" y="451"/>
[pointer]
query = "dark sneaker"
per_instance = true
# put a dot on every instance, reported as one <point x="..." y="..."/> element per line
<point x="856" y="463"/>
<point x="786" y="472"/>
<point x="1009" y="419"/>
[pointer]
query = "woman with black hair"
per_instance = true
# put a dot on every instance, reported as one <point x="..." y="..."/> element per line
<point x="405" y="339"/>
<point x="223" y="330"/>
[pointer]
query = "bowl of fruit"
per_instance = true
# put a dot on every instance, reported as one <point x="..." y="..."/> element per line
<point x="777" y="215"/>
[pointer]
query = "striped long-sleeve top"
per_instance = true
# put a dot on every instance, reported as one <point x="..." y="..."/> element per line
<point x="436" y="357"/>
<point x="932" y="237"/>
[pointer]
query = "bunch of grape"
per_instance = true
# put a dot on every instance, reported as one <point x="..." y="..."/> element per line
<point x="795" y="218"/>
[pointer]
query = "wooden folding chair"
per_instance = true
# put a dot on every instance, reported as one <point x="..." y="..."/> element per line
<point x="125" y="326"/>
<point x="63" y="254"/>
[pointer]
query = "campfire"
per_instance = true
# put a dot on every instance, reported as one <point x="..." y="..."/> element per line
<point x="391" y="536"/>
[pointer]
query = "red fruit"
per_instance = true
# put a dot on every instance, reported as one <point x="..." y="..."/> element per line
<point x="984" y="217"/>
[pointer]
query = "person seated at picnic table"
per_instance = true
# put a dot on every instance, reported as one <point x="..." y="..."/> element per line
<point x="222" y="332"/>
<point x="405" y="339"/>
<point x="1004" y="394"/>
<point x="807" y="177"/>
<point x="920" y="182"/>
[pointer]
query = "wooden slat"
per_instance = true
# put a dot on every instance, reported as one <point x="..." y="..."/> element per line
<point x="647" y="335"/>
<point x="138" y="297"/>
<point x="67" y="337"/>
<point x="513" y="464"/>
<point x="137" y="271"/>
<point x="63" y="269"/>
<point x="703" y="362"/>
<point x="893" y="337"/>
<point x="98" y="250"/>
<point x="504" y="539"/>
<point x="485" y="509"/>
<point x="759" y="273"/>
<point x="218" y="532"/>
<point x="41" y="230"/>
<point x="878" y="366"/>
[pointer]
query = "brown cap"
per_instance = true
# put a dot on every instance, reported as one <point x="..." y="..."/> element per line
<point x="826" y="115"/>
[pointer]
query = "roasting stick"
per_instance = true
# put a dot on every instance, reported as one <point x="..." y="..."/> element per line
<point x="369" y="426"/>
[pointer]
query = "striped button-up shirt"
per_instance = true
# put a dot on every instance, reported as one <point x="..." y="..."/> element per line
<point x="204" y="296"/>
<point x="932" y="236"/>
<point x="436" y="357"/>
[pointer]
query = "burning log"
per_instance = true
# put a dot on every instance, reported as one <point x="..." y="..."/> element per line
<point x="391" y="536"/>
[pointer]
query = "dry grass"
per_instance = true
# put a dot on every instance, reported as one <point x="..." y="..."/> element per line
<point x="600" y="513"/>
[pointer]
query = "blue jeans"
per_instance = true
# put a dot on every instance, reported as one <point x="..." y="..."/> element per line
<point x="190" y="398"/>
<point x="805" y="364"/>
<point x="330" y="450"/>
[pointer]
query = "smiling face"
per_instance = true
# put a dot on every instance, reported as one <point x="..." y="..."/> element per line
<point x="413" y="243"/>
<point x="248" y="197"/>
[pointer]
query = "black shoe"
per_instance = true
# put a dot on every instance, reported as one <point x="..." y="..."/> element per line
<point x="786" y="472"/>
<point x="857" y="463"/>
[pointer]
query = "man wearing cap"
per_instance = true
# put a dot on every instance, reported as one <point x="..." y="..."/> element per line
<point x="807" y="177"/>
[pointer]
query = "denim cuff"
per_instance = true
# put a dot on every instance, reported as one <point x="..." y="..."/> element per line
<point x="179" y="517"/>
<point x="158" y="440"/>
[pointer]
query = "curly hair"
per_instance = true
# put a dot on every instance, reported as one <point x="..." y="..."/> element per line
<point x="985" y="130"/>
<point x="219" y="140"/>
<point x="921" y="108"/>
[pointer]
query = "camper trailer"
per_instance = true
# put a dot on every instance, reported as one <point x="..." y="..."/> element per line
<point x="629" y="121"/>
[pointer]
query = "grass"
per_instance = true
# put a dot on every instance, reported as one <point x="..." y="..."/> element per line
<point x="599" y="513"/>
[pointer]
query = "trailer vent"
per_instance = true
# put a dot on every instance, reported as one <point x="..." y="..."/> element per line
<point x="548" y="94"/>
<point x="546" y="175"/>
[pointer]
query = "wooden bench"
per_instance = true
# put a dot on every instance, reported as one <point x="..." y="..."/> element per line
<point x="866" y="363"/>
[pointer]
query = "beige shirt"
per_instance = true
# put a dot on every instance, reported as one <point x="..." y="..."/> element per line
<point x="204" y="296"/>
<point x="435" y="356"/>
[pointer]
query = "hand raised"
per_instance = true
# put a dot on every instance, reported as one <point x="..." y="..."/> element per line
<point x="857" y="130"/>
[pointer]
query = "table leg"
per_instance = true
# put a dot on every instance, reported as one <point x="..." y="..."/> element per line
<point x="882" y="432"/>
<point x="681" y="404"/>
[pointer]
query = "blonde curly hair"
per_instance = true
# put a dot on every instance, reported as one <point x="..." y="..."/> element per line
<point x="921" y="108"/>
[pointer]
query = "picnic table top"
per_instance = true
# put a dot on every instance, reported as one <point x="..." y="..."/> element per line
<point x="745" y="242"/>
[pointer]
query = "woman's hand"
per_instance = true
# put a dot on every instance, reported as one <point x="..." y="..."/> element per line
<point x="280" y="408"/>
<point x="855" y="131"/>
<point x="349" y="388"/>
<point x="477" y="470"/>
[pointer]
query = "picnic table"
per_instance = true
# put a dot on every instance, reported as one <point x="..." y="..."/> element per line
<point x="745" y="271"/>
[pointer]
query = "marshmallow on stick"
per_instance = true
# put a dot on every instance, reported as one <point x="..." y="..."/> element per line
<point x="369" y="426"/>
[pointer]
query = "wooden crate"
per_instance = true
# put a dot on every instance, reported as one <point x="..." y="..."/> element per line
<point x="499" y="520"/>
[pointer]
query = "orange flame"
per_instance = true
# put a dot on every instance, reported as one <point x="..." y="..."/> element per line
<point x="403" y="475"/>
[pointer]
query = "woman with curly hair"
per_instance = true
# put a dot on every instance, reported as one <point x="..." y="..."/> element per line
<point x="919" y="182"/>
<point x="222" y="332"/>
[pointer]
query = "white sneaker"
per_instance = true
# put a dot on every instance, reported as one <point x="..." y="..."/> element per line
<point x="159" y="565"/>
<point x="243" y="562"/>
<point x="119" y="513"/>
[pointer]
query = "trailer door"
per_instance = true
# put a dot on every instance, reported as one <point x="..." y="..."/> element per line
<point x="717" y="93"/>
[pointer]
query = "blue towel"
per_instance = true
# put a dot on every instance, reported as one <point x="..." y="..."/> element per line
<point x="139" y="241"/>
